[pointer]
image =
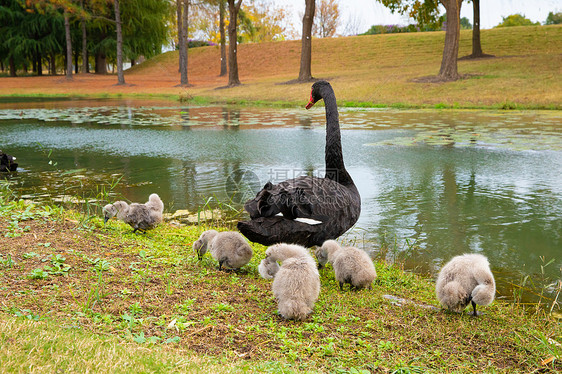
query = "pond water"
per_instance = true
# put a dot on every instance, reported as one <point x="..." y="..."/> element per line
<point x="448" y="182"/>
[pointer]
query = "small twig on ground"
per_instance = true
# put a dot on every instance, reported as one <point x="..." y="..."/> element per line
<point x="399" y="301"/>
<point x="201" y="329"/>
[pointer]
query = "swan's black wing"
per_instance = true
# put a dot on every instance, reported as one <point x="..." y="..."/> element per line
<point x="320" y="199"/>
<point x="335" y="208"/>
<point x="278" y="229"/>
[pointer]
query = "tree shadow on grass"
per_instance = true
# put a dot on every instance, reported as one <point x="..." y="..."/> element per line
<point x="297" y="81"/>
<point x="476" y="57"/>
<point x="440" y="79"/>
<point x="228" y="86"/>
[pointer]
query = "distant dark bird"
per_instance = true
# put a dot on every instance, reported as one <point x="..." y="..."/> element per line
<point x="466" y="279"/>
<point x="141" y="217"/>
<point x="308" y="210"/>
<point x="7" y="162"/>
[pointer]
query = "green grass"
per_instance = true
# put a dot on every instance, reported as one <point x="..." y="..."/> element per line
<point x="144" y="303"/>
<point x="43" y="346"/>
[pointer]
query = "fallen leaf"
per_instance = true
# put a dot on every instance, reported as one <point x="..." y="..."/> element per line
<point x="547" y="360"/>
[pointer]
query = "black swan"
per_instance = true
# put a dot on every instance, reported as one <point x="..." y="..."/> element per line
<point x="7" y="162"/>
<point x="332" y="202"/>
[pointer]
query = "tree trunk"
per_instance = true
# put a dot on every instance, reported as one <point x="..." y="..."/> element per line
<point x="84" y="44"/>
<point x="68" y="46"/>
<point x="120" y="75"/>
<point x="448" y="69"/>
<point x="179" y="10"/>
<point x="305" y="73"/>
<point x="2" y="66"/>
<point x="52" y="64"/>
<point x="39" y="64"/>
<point x="184" y="81"/>
<point x="33" y="63"/>
<point x="101" y="63"/>
<point x="222" y="38"/>
<point x="476" y="46"/>
<point x="12" y="67"/>
<point x="76" y="57"/>
<point x="233" y="9"/>
<point x="133" y="62"/>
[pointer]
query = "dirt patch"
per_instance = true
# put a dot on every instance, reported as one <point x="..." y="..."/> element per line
<point x="130" y="287"/>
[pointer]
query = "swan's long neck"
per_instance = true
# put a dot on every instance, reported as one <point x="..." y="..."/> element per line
<point x="335" y="168"/>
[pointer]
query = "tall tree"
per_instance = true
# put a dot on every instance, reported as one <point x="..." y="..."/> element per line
<point x="12" y="67"/>
<point x="100" y="29"/>
<point x="222" y="12"/>
<point x="29" y="31"/>
<point x="553" y="18"/>
<point x="48" y="8"/>
<point x="326" y="19"/>
<point x="185" y="25"/>
<point x="449" y="69"/>
<point x="425" y="12"/>
<point x="517" y="20"/>
<point x="119" y="31"/>
<point x="68" y="45"/>
<point x="476" y="45"/>
<point x="233" y="9"/>
<point x="305" y="72"/>
<point x="182" y="14"/>
<point x="179" y="22"/>
<point x="145" y="26"/>
<point x="262" y="22"/>
<point x="84" y="41"/>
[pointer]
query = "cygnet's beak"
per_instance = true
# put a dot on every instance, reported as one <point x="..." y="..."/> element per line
<point x="105" y="219"/>
<point x="196" y="247"/>
<point x="320" y="266"/>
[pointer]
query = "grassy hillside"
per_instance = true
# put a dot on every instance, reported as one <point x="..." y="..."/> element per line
<point x="376" y="70"/>
<point x="379" y="69"/>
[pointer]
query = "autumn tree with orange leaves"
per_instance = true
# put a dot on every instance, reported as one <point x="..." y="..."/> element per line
<point x="327" y="19"/>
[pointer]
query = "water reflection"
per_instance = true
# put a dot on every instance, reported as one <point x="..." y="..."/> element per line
<point x="453" y="182"/>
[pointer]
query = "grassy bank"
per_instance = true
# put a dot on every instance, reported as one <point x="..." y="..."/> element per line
<point x="366" y="71"/>
<point x="78" y="295"/>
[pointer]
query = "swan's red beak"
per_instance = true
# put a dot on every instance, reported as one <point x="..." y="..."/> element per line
<point x="311" y="102"/>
